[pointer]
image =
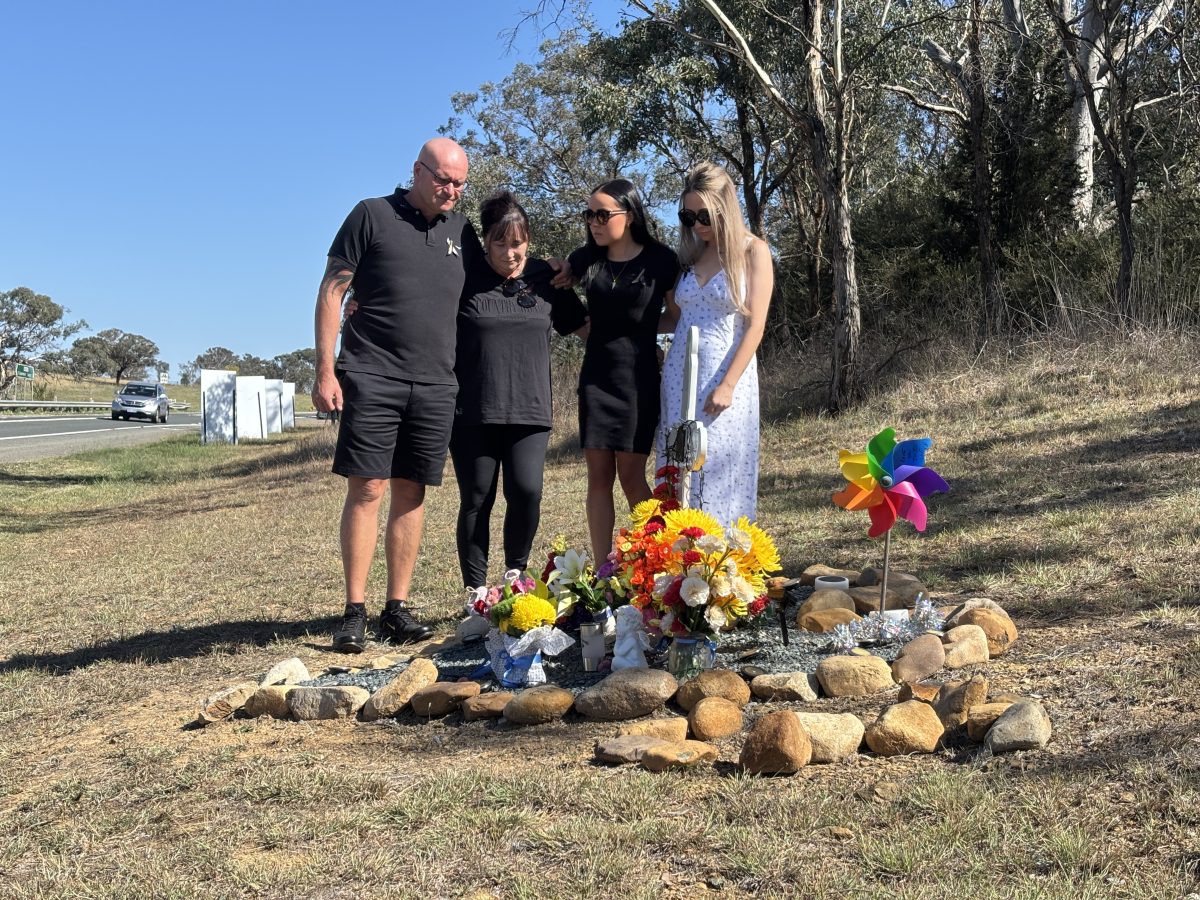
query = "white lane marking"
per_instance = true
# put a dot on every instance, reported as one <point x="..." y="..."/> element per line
<point x="22" y="419"/>
<point x="25" y="437"/>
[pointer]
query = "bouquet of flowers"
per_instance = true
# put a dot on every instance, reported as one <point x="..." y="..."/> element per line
<point x="522" y="632"/>
<point x="574" y="582"/>
<point x="688" y="574"/>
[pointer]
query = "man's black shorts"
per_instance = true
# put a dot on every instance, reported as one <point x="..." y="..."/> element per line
<point x="393" y="429"/>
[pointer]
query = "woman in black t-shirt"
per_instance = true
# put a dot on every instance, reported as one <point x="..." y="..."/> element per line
<point x="503" y="414"/>
<point x="628" y="277"/>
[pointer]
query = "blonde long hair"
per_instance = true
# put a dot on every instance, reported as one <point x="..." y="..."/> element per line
<point x="715" y="189"/>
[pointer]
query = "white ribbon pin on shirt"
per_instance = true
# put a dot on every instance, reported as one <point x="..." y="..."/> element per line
<point x="452" y="248"/>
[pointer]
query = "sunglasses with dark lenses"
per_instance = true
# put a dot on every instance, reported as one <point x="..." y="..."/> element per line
<point x="601" y="216"/>
<point x="519" y="289"/>
<point x="688" y="218"/>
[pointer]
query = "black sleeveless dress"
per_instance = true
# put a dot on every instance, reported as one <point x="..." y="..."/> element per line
<point x="618" y="383"/>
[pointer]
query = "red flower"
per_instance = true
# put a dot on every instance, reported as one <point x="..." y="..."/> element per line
<point x="694" y="533"/>
<point x="668" y="505"/>
<point x="667" y="472"/>
<point x="691" y="557"/>
<point x="653" y="527"/>
<point x="662" y="490"/>
<point x="758" y="605"/>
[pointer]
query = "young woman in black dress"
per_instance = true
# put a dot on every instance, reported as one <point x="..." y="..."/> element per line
<point x="628" y="276"/>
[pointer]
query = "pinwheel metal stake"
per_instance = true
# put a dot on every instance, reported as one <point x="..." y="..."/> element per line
<point x="890" y="481"/>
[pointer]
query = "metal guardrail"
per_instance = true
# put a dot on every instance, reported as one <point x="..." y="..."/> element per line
<point x="69" y="404"/>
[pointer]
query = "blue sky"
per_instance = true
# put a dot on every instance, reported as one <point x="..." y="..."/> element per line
<point x="179" y="170"/>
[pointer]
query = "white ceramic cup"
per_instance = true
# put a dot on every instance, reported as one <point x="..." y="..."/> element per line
<point x="831" y="583"/>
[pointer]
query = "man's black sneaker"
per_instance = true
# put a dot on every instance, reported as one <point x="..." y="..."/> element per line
<point x="398" y="626"/>
<point x="352" y="636"/>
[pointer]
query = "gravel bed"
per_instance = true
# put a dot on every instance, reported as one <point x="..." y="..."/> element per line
<point x="760" y="645"/>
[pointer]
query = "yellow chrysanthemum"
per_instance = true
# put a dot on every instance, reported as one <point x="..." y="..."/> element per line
<point x="763" y="557"/>
<point x="678" y="519"/>
<point x="530" y="612"/>
<point x="642" y="513"/>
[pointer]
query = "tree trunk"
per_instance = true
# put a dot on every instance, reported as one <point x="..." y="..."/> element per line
<point x="1123" y="184"/>
<point x="982" y="191"/>
<point x="1083" y="128"/>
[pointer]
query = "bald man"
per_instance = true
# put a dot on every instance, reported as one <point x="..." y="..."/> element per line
<point x="393" y="381"/>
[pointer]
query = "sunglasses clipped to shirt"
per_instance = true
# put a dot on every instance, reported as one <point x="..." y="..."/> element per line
<point x="687" y="218"/>
<point x="516" y="287"/>
<point x="601" y="216"/>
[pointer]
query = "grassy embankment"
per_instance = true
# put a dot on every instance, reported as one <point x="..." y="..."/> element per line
<point x="137" y="582"/>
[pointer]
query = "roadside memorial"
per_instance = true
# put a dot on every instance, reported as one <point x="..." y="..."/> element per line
<point x="217" y="392"/>
<point x="250" y="405"/>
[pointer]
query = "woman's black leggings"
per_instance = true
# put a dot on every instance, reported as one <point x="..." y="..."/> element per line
<point x="479" y="453"/>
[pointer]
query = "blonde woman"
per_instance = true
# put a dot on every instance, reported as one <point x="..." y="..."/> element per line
<point x="725" y="290"/>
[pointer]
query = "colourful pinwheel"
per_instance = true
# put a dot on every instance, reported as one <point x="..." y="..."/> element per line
<point x="889" y="480"/>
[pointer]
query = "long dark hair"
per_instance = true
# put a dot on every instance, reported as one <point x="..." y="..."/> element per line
<point x="626" y="195"/>
<point x="500" y="215"/>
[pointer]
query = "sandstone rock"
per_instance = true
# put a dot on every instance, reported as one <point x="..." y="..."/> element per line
<point x="472" y="628"/>
<point x="627" y="694"/>
<point x="980" y="718"/>
<point x="269" y="701"/>
<point x="675" y="755"/>
<point x="824" y="620"/>
<point x="713" y="683"/>
<point x="442" y="697"/>
<point x="1006" y="697"/>
<point x="1023" y="726"/>
<point x="925" y="691"/>
<point x="485" y="706"/>
<point x="627" y="748"/>
<point x="834" y="736"/>
<point x="776" y="744"/>
<point x="854" y="676"/>
<point x="966" y="645"/>
<point x="809" y="575"/>
<point x="902" y="586"/>
<point x="715" y="717"/>
<point x="909" y="727"/>
<point x="957" y="698"/>
<point x="999" y="628"/>
<point x="336" y="702"/>
<point x="919" y="658"/>
<point x="973" y="603"/>
<point x="872" y="575"/>
<point x="225" y="703"/>
<point x="866" y="599"/>
<point x="389" y="660"/>
<point x="674" y="729"/>
<point x="537" y="705"/>
<point x="288" y="671"/>
<point x="786" y="686"/>
<point x="820" y="600"/>
<point x="396" y="694"/>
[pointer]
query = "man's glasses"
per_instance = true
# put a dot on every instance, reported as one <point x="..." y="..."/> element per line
<point x="688" y="218"/>
<point x="516" y="287"/>
<point x="601" y="216"/>
<point x="442" y="181"/>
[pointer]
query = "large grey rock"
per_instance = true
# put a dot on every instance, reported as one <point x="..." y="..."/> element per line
<point x="397" y="693"/>
<point x="627" y="748"/>
<point x="628" y="694"/>
<point x="834" y="736"/>
<point x="288" y="671"/>
<point x="1023" y="726"/>
<point x="326" y="702"/>
<point x="786" y="686"/>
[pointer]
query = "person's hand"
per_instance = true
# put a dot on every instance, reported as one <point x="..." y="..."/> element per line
<point x="327" y="392"/>
<point x="349" y="309"/>
<point x="562" y="274"/>
<point x="719" y="400"/>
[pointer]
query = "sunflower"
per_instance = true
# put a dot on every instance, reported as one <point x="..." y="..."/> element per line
<point x="678" y="519"/>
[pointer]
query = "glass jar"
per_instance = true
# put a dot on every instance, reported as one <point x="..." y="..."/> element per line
<point x="689" y="656"/>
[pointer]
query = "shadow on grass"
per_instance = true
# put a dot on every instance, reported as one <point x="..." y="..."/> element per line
<point x="16" y="522"/>
<point x="175" y="643"/>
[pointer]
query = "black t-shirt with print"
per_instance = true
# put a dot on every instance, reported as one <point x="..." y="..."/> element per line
<point x="408" y="278"/>
<point x="503" y="358"/>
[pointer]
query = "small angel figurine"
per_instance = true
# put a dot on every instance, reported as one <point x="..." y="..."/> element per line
<point x="632" y="643"/>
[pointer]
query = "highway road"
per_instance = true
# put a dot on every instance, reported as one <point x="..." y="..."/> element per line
<point x="28" y="437"/>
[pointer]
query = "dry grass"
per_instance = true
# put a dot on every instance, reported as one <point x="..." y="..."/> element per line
<point x="137" y="581"/>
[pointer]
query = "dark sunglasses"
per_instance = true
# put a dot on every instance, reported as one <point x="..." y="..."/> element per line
<point x="519" y="289"/>
<point x="688" y="218"/>
<point x="601" y="216"/>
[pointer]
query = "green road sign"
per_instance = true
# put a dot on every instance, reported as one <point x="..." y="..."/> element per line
<point x="24" y="371"/>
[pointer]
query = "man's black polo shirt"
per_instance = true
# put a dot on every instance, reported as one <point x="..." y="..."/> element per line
<point x="408" y="277"/>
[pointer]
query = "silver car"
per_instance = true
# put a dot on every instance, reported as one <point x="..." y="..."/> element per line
<point x="141" y="399"/>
